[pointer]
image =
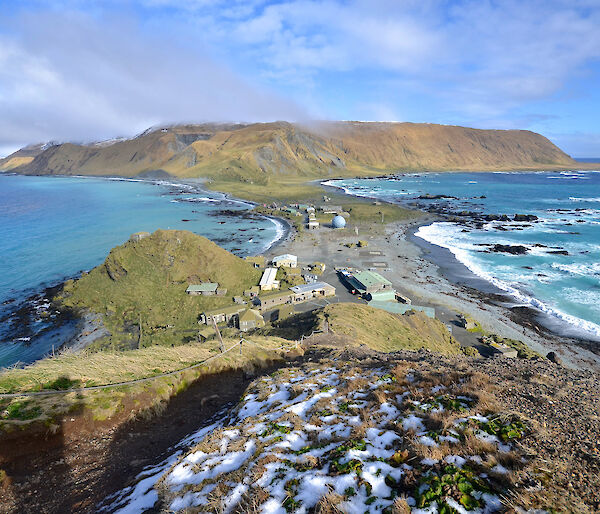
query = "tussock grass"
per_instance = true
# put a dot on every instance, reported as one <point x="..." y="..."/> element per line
<point x="101" y="368"/>
<point x="386" y="332"/>
<point x="459" y="459"/>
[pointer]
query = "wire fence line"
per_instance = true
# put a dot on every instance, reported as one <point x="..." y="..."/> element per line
<point x="147" y="379"/>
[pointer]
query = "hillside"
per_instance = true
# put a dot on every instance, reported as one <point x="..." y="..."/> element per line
<point x="141" y="286"/>
<point x="409" y="432"/>
<point x="261" y="153"/>
<point x="23" y="156"/>
<point x="385" y="332"/>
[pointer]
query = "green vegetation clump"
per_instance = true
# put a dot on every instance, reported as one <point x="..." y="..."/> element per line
<point x="139" y="291"/>
<point x="318" y="268"/>
<point x="461" y="484"/>
<point x="21" y="410"/>
<point x="505" y="430"/>
<point x="471" y="351"/>
<point x="61" y="383"/>
<point x="275" y="428"/>
<point x="386" y="332"/>
<point x="523" y="351"/>
<point x="289" y="277"/>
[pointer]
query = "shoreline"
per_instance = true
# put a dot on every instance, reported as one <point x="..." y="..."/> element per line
<point x="414" y="276"/>
<point x="468" y="293"/>
<point x="553" y="323"/>
<point x="86" y="327"/>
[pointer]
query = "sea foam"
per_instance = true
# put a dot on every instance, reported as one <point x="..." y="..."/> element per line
<point x="441" y="233"/>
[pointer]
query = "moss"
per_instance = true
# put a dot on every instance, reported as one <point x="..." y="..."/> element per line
<point x="22" y="410"/>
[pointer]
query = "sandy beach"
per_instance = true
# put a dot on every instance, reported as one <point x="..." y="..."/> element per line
<point x="414" y="275"/>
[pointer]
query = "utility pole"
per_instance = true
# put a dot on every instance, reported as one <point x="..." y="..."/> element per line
<point x="140" y="334"/>
<point x="219" y="335"/>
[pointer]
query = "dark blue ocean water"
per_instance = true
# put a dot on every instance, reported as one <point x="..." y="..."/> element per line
<point x="564" y="287"/>
<point x="52" y="228"/>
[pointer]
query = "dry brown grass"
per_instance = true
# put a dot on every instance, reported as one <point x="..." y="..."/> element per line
<point x="475" y="446"/>
<point x="329" y="504"/>
<point x="259" y="469"/>
<point x="215" y="498"/>
<point x="360" y="431"/>
<point x="380" y="396"/>
<point x="440" y="420"/>
<point x="439" y="452"/>
<point x="401" y="506"/>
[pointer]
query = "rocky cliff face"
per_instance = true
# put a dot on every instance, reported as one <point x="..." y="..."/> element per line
<point x="251" y="152"/>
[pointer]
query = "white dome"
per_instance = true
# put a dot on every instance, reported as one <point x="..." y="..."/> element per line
<point x="338" y="222"/>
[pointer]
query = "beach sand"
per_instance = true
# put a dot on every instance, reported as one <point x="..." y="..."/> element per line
<point x="406" y="265"/>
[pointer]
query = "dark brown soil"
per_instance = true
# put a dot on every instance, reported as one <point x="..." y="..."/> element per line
<point x="85" y="461"/>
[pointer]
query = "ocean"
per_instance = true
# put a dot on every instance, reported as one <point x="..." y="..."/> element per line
<point x="53" y="228"/>
<point x="559" y="274"/>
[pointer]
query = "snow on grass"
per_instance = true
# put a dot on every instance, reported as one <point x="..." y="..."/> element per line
<point x="413" y="423"/>
<point x="298" y="436"/>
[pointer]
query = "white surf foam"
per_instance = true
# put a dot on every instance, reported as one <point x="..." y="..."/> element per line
<point x="440" y="234"/>
<point x="584" y="199"/>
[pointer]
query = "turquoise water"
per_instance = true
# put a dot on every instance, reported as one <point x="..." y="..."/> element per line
<point x="52" y="228"/>
<point x="565" y="288"/>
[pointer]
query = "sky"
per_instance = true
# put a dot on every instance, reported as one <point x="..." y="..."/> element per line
<point x="85" y="70"/>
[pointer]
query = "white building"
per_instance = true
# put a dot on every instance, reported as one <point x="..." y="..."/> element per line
<point x="305" y="292"/>
<point x="267" y="281"/>
<point x="287" y="260"/>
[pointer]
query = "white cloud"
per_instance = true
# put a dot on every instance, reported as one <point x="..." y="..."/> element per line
<point x="474" y="62"/>
<point x="73" y="77"/>
<point x="480" y="56"/>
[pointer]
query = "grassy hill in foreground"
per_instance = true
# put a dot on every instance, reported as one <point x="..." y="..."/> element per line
<point x="353" y="325"/>
<point x="385" y="332"/>
<point x="142" y="284"/>
<point x="264" y="153"/>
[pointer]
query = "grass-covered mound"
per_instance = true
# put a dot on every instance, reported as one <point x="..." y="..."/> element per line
<point x="139" y="290"/>
<point x="84" y="370"/>
<point x="386" y="332"/>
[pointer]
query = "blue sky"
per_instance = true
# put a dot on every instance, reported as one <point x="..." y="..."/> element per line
<point x="83" y="70"/>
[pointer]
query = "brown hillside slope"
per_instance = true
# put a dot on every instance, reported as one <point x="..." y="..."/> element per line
<point x="414" y="145"/>
<point x="22" y="157"/>
<point x="257" y="152"/>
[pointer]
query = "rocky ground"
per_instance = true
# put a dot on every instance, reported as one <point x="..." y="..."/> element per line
<point x="342" y="430"/>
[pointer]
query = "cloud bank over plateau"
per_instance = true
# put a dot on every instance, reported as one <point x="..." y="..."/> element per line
<point x="88" y="70"/>
<point x="74" y="78"/>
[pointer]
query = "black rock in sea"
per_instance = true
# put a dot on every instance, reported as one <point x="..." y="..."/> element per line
<point x="512" y="249"/>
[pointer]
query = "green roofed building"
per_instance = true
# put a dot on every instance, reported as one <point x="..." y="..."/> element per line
<point x="385" y="295"/>
<point x="369" y="282"/>
<point x="249" y="320"/>
<point x="206" y="289"/>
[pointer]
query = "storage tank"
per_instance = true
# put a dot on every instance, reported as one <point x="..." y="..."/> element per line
<point x="338" y="222"/>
